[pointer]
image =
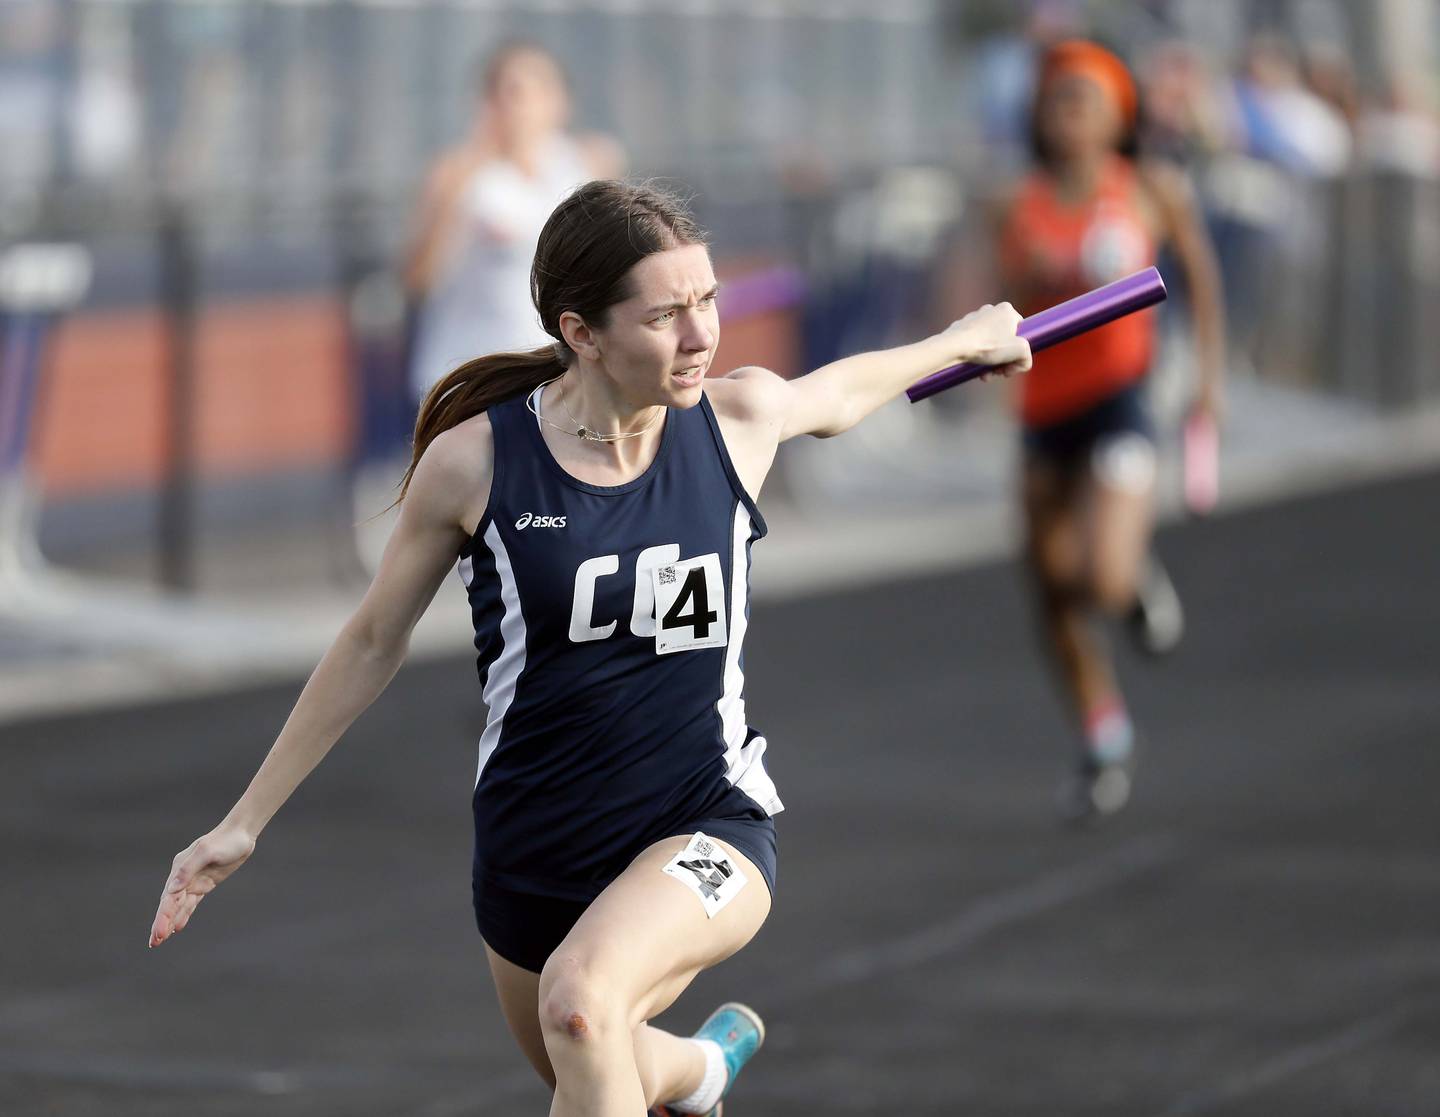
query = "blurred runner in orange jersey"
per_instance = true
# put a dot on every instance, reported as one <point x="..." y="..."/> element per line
<point x="1088" y="214"/>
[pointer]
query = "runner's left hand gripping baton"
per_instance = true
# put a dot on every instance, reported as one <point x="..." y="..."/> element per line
<point x="1060" y="323"/>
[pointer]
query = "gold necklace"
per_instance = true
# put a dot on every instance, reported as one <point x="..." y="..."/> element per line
<point x="582" y="432"/>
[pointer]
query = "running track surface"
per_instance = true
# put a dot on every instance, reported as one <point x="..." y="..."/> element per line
<point x="1259" y="935"/>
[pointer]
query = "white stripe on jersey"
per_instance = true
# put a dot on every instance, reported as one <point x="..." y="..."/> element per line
<point x="744" y="764"/>
<point x="505" y="671"/>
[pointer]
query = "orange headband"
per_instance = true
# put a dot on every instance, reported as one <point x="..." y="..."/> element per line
<point x="1090" y="60"/>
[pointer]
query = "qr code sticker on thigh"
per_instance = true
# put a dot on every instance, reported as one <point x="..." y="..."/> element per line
<point x="705" y="868"/>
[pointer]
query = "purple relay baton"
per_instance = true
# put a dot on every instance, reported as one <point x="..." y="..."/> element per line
<point x="1061" y="323"/>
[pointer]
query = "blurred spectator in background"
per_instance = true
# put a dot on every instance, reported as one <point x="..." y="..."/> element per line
<point x="107" y="113"/>
<point x="484" y="203"/>
<point x="1330" y="75"/>
<point x="1087" y="215"/>
<point x="1184" y="118"/>
<point x="31" y="92"/>
<point x="1400" y="132"/>
<point x="1282" y="120"/>
<point x="1268" y="194"/>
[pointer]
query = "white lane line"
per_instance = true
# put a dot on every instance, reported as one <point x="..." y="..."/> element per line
<point x="985" y="917"/>
<point x="1290" y="1063"/>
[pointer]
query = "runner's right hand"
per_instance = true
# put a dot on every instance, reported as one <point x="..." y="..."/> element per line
<point x="987" y="336"/>
<point x="195" y="873"/>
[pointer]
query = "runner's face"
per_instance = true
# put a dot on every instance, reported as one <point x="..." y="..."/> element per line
<point x="1077" y="118"/>
<point x="527" y="98"/>
<point x="659" y="342"/>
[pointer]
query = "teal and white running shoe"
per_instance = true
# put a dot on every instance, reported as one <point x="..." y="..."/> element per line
<point x="739" y="1031"/>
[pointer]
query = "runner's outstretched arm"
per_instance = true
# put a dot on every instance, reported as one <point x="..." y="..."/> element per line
<point x="832" y="399"/>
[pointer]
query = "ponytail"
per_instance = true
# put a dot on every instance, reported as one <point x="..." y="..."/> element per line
<point x="476" y="386"/>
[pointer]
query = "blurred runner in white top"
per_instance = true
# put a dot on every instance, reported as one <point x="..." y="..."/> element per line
<point x="484" y="203"/>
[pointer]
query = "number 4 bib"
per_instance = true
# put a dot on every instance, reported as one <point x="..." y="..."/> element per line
<point x="689" y="605"/>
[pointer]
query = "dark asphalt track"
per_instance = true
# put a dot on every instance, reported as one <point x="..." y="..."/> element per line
<point x="1260" y="935"/>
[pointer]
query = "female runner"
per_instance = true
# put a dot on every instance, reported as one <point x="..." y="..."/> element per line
<point x="598" y="495"/>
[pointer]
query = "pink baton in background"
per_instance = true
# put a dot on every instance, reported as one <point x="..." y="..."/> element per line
<point x="1202" y="464"/>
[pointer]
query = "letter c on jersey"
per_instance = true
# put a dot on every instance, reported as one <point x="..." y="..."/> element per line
<point x="642" y="615"/>
<point x="590" y="572"/>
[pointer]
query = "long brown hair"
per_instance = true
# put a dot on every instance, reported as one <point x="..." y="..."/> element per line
<point x="582" y="264"/>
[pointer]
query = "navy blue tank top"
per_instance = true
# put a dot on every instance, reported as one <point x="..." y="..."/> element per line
<point x="609" y="621"/>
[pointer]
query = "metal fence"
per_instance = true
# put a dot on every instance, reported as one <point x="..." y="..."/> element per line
<point x="307" y="99"/>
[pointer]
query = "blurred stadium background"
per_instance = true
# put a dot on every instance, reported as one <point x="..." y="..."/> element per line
<point x="202" y="338"/>
<point x="239" y="178"/>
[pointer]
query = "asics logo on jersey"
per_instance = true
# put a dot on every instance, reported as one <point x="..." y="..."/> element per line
<point x="532" y="520"/>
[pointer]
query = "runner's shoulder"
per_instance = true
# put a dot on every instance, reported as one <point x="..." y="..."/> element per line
<point x="455" y="467"/>
<point x="747" y="394"/>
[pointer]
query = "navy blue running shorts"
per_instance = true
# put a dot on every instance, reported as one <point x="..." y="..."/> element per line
<point x="524" y="928"/>
<point x="1071" y="442"/>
